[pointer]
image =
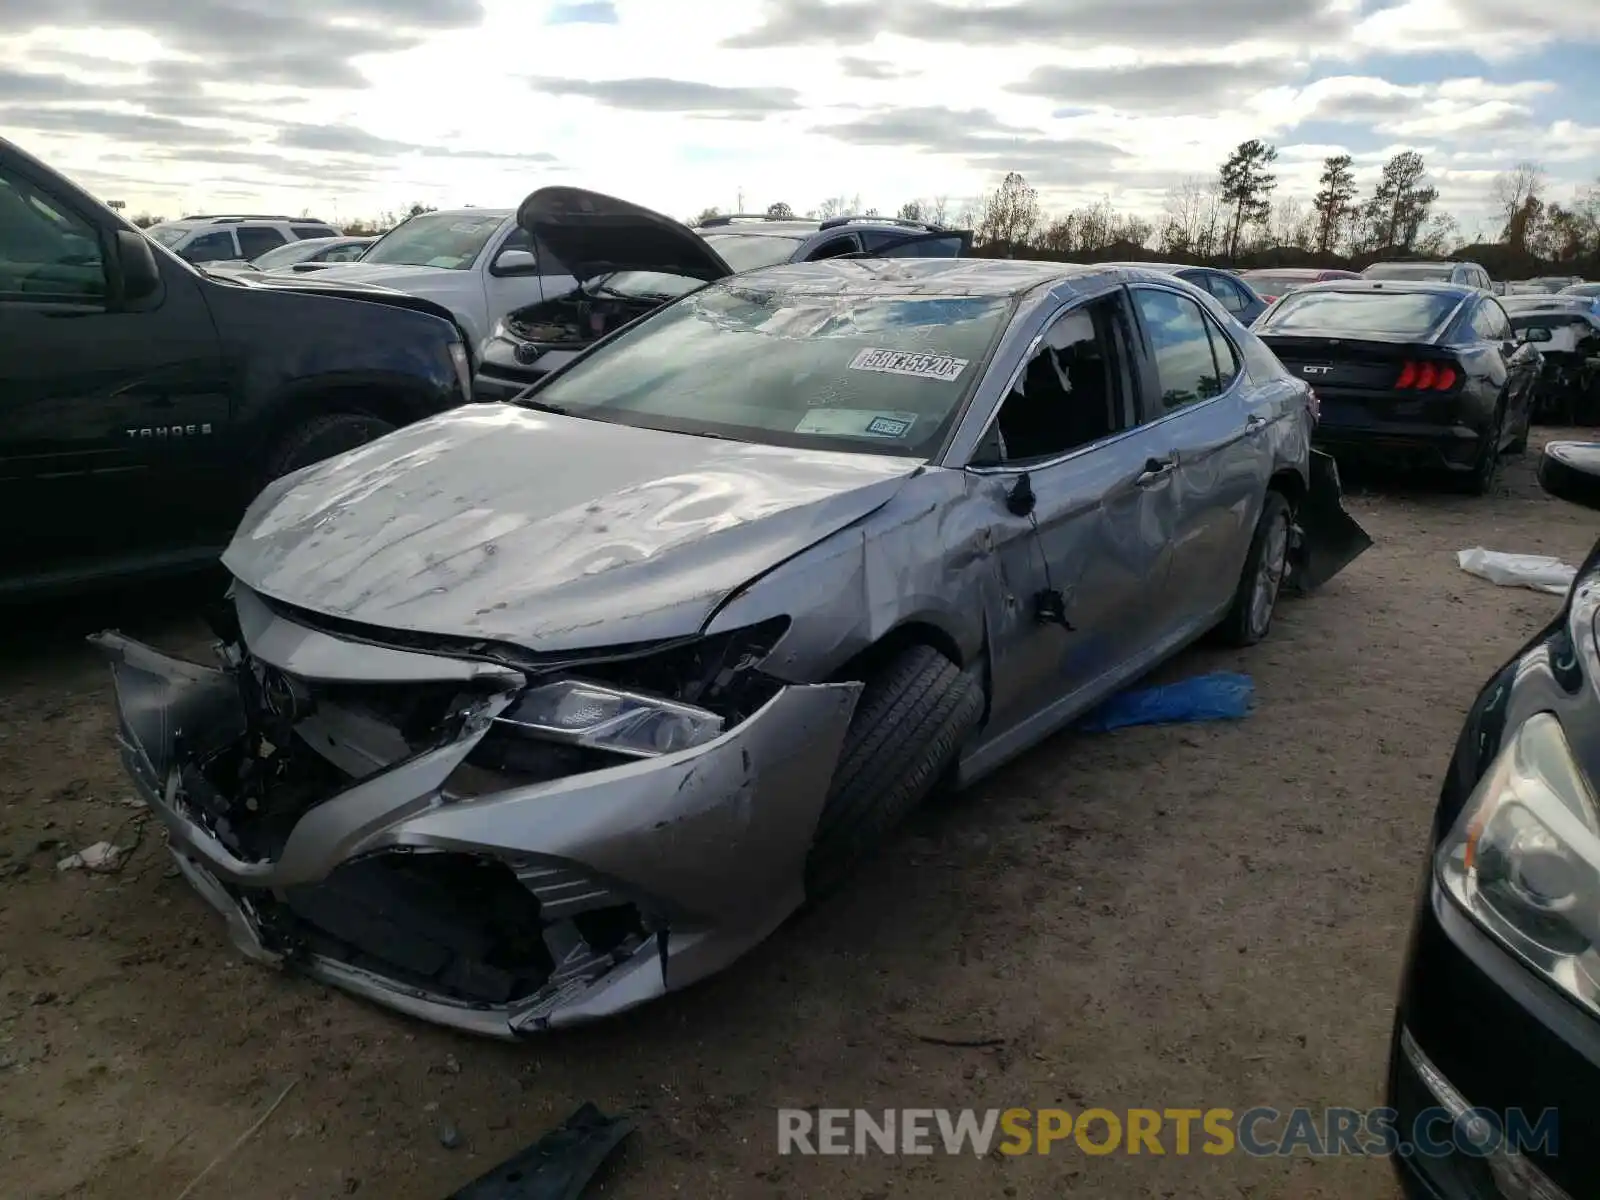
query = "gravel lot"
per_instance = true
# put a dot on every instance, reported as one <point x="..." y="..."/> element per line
<point x="1183" y="917"/>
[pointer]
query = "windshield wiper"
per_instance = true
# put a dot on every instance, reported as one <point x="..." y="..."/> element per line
<point x="541" y="406"/>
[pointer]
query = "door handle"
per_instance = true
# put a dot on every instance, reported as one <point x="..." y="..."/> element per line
<point x="1254" y="422"/>
<point x="1154" y="469"/>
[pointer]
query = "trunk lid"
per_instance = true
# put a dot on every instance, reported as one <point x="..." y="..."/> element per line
<point x="1359" y="364"/>
<point x="594" y="234"/>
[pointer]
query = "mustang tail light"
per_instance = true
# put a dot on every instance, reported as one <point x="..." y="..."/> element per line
<point x="1427" y="376"/>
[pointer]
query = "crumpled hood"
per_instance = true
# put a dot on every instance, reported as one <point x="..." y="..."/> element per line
<point x="544" y="531"/>
<point x="390" y="275"/>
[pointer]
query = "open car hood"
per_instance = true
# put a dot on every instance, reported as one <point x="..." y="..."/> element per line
<point x="594" y="234"/>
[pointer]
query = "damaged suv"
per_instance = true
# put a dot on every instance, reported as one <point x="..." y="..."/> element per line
<point x="529" y="713"/>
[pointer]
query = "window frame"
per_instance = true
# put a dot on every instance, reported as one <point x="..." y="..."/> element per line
<point x="268" y="230"/>
<point x="103" y="239"/>
<point x="210" y="231"/>
<point x="1132" y="363"/>
<point x="845" y="239"/>
<point x="1155" y="410"/>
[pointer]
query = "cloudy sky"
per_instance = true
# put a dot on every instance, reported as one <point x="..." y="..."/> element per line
<point x="347" y="108"/>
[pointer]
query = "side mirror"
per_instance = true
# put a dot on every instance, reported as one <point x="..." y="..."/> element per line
<point x="516" y="262"/>
<point x="1536" y="333"/>
<point x="141" y="277"/>
<point x="1571" y="471"/>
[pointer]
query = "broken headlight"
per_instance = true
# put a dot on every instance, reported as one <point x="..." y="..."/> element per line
<point x="1524" y="859"/>
<point x="605" y="718"/>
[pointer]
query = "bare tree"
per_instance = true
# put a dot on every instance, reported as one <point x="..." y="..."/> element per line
<point x="1247" y="183"/>
<point x="936" y="210"/>
<point x="1512" y="190"/>
<point x="1183" y="217"/>
<point x="833" y="206"/>
<point x="1290" y="224"/>
<point x="911" y="210"/>
<point x="1010" y="214"/>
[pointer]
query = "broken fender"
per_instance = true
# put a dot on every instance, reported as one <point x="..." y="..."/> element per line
<point x="1330" y="538"/>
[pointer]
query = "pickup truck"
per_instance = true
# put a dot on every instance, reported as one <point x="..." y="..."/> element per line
<point x="143" y="403"/>
<point x="476" y="262"/>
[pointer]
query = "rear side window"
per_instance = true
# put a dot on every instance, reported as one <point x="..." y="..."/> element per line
<point x="256" y="240"/>
<point x="1226" y="357"/>
<point x="834" y="248"/>
<point x="1490" y="322"/>
<point x="912" y="245"/>
<point x="1180" y="338"/>
<point x="1408" y="314"/>
<point x="313" y="231"/>
<point x="1222" y="288"/>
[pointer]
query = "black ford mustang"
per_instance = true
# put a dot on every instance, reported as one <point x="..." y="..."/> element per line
<point x="1418" y="373"/>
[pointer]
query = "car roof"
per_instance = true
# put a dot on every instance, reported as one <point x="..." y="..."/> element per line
<point x="1390" y="286"/>
<point x="930" y="276"/>
<point x="1164" y="267"/>
<point x="500" y="214"/>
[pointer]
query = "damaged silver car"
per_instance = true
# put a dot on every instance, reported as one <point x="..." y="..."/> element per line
<point x="534" y="711"/>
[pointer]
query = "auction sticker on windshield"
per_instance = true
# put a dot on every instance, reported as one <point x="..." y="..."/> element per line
<point x="857" y="422"/>
<point x="901" y="362"/>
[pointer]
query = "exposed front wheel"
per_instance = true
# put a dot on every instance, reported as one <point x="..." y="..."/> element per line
<point x="914" y="713"/>
<point x="1261" y="580"/>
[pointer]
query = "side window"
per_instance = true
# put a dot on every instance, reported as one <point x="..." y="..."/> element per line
<point x="343" y="253"/>
<point x="211" y="247"/>
<point x="256" y="240"/>
<point x="914" y="245"/>
<point x="1227" y="358"/>
<point x="1073" y="391"/>
<point x="1186" y="372"/>
<point x="1498" y="321"/>
<point x="47" y="253"/>
<point x="834" y="247"/>
<point x="313" y="231"/>
<point x="1222" y="288"/>
<point x="1487" y="320"/>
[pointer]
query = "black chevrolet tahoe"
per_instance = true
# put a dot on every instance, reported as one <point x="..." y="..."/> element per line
<point x="143" y="403"/>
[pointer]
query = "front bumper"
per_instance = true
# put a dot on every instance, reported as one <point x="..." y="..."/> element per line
<point x="1477" y="1028"/>
<point x="705" y="847"/>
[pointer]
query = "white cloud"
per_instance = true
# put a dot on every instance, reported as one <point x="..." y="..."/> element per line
<point x="352" y="107"/>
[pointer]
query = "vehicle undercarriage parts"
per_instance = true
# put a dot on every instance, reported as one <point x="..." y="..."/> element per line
<point x="914" y="713"/>
<point x="1329" y="538"/>
<point x="559" y="1166"/>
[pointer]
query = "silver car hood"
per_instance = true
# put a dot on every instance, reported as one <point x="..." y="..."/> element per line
<point x="547" y="532"/>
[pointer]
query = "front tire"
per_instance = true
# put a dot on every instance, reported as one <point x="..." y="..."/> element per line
<point x="1250" y="617"/>
<point x="321" y="437"/>
<point x="913" y="715"/>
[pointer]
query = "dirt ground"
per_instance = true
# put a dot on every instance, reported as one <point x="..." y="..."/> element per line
<point x="1196" y="916"/>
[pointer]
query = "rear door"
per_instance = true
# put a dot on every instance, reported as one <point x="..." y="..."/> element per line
<point x="108" y="418"/>
<point x="256" y="240"/>
<point x="1522" y="360"/>
<point x="1213" y="430"/>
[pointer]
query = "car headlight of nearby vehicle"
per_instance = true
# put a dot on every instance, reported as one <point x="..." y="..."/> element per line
<point x="606" y="718"/>
<point x="462" y="362"/>
<point x="1524" y="858"/>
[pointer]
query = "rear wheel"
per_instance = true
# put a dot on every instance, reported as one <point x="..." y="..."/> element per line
<point x="321" y="437"/>
<point x="1480" y="480"/>
<point x="908" y="726"/>
<point x="1250" y="617"/>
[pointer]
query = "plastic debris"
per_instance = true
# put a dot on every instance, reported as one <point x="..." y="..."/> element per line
<point x="1219" y="696"/>
<point x="558" y="1166"/>
<point x="102" y="856"/>
<point x="1537" y="571"/>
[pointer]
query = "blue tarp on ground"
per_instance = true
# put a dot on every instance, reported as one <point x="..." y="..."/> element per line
<point x="1220" y="696"/>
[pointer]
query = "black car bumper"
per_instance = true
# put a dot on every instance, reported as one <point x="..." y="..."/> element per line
<point x="1402" y="429"/>
<point x="1476" y="1029"/>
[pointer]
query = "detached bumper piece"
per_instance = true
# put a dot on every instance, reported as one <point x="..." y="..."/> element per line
<point x="1328" y="539"/>
<point x="558" y="1166"/>
<point x="364" y="814"/>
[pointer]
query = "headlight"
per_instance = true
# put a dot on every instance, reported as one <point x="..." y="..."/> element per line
<point x="1524" y="858"/>
<point x="460" y="360"/>
<point x="604" y="718"/>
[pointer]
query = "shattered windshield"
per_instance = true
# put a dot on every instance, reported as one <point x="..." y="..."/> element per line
<point x="871" y="373"/>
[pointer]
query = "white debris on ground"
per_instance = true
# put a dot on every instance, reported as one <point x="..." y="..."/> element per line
<point x="102" y="856"/>
<point x="1537" y="571"/>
